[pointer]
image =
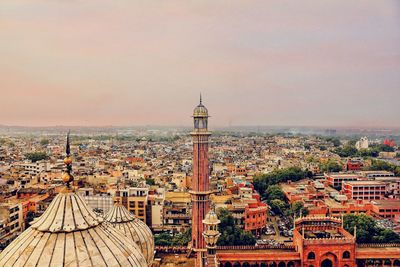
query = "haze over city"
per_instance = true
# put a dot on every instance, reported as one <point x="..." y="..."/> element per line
<point x="313" y="63"/>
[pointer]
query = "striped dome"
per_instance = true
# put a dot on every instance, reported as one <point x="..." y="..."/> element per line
<point x="200" y="111"/>
<point x="70" y="234"/>
<point x="120" y="218"/>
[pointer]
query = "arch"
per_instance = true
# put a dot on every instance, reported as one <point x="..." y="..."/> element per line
<point x="273" y="264"/>
<point x="326" y="263"/>
<point x="310" y="265"/>
<point x="396" y="263"/>
<point x="282" y="264"/>
<point x="236" y="264"/>
<point x="246" y="264"/>
<point x="346" y="265"/>
<point x="387" y="262"/>
<point x="263" y="264"/>
<point x="290" y="264"/>
<point x="311" y="256"/>
<point x="228" y="264"/>
<point x="255" y="265"/>
<point x="346" y="255"/>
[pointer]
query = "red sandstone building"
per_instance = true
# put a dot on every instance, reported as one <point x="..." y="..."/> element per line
<point x="335" y="180"/>
<point x="317" y="242"/>
<point x="365" y="190"/>
<point x="255" y="217"/>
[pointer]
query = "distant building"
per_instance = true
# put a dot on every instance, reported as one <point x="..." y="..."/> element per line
<point x="101" y="203"/>
<point x="354" y="165"/>
<point x="363" y="143"/>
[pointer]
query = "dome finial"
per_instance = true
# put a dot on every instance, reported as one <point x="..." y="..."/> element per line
<point x="67" y="177"/>
<point x="201" y="100"/>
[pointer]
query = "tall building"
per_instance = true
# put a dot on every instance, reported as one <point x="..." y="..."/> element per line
<point x="200" y="182"/>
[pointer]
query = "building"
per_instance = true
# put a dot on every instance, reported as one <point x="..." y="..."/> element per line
<point x="317" y="241"/>
<point x="100" y="203"/>
<point x="335" y="180"/>
<point x="200" y="182"/>
<point x="354" y="165"/>
<point x="176" y="211"/>
<point x="255" y="217"/>
<point x="11" y="222"/>
<point x="363" y="143"/>
<point x="365" y="190"/>
<point x="134" y="199"/>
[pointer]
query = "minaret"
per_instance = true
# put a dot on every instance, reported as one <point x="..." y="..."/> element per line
<point x="200" y="181"/>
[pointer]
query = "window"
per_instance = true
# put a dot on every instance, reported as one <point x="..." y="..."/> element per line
<point x="311" y="256"/>
<point x="346" y="255"/>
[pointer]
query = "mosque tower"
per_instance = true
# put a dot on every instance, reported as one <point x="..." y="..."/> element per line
<point x="200" y="181"/>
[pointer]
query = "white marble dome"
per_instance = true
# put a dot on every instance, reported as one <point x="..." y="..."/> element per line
<point x="69" y="233"/>
<point x="134" y="229"/>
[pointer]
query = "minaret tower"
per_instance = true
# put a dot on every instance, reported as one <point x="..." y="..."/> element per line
<point x="200" y="182"/>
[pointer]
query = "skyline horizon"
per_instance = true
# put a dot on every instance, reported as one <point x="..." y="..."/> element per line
<point x="307" y="63"/>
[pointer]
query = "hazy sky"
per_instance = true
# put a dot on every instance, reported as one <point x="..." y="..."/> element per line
<point x="97" y="62"/>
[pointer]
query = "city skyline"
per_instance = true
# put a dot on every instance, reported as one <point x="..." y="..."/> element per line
<point x="332" y="64"/>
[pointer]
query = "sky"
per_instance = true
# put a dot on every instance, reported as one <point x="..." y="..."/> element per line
<point x="275" y="63"/>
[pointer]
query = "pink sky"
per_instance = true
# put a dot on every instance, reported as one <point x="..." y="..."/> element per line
<point x="321" y="63"/>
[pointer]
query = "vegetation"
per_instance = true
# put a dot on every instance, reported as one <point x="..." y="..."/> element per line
<point x="150" y="181"/>
<point x="44" y="142"/>
<point x="231" y="234"/>
<point x="263" y="182"/>
<point x="180" y="239"/>
<point x="298" y="208"/>
<point x="36" y="156"/>
<point x="349" y="150"/>
<point x="368" y="231"/>
<point x="380" y="165"/>
<point x="331" y="166"/>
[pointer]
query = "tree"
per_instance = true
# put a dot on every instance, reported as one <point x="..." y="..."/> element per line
<point x="262" y="182"/>
<point x="36" y="156"/>
<point x="275" y="192"/>
<point x="44" y="142"/>
<point x="331" y="166"/>
<point x="278" y="206"/>
<point x="150" y="181"/>
<point x="231" y="234"/>
<point x="368" y="231"/>
<point x="298" y="208"/>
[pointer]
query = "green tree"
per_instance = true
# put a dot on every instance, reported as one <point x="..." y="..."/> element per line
<point x="36" y="156"/>
<point x="44" y="142"/>
<point x="150" y="181"/>
<point x="278" y="206"/>
<point x="231" y="234"/>
<point x="275" y="192"/>
<point x="262" y="182"/>
<point x="331" y="166"/>
<point x="297" y="207"/>
<point x="368" y="231"/>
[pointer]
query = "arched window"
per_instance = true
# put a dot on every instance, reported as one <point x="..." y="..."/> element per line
<point x="246" y="264"/>
<point x="236" y="264"/>
<point x="346" y="255"/>
<point x="396" y="263"/>
<point x="228" y="264"/>
<point x="311" y="256"/>
<point x="282" y="264"/>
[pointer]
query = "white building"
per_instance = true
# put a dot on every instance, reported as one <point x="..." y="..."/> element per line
<point x="363" y="143"/>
